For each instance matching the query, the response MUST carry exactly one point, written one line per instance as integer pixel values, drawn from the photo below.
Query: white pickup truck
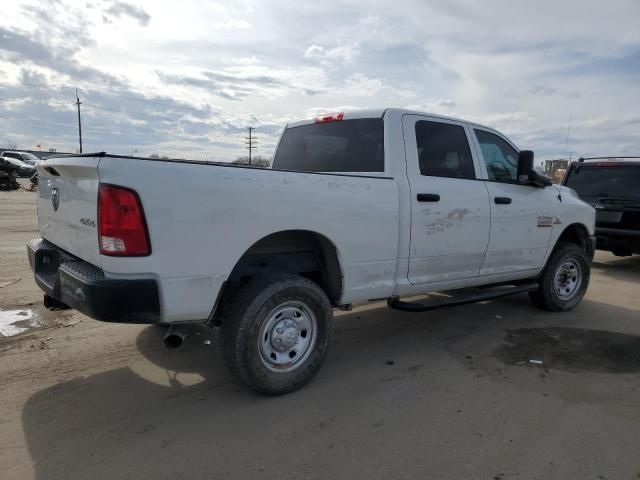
(360, 206)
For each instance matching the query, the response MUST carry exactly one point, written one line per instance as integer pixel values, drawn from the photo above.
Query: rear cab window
(443, 150)
(347, 146)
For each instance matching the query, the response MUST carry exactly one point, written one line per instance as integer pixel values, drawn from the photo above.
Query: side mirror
(526, 173)
(525, 166)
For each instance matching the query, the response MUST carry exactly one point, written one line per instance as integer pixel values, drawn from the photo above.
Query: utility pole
(250, 142)
(79, 122)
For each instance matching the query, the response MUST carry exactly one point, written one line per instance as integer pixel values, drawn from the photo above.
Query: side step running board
(471, 295)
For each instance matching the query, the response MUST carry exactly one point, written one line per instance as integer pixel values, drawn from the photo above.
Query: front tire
(275, 332)
(564, 280)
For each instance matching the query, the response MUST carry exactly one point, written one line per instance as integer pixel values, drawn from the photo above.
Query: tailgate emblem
(55, 199)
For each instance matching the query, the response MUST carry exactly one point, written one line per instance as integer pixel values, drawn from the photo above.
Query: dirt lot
(449, 394)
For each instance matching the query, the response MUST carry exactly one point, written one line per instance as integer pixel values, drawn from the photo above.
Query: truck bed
(203, 216)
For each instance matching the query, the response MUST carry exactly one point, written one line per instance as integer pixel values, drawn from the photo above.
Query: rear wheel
(275, 332)
(564, 280)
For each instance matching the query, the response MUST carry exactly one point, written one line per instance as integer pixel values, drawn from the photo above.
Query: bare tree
(256, 161)
(10, 145)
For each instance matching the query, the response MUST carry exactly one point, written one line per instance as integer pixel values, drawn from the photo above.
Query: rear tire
(275, 332)
(564, 280)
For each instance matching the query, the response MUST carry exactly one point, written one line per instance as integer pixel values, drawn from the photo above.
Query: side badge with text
(545, 221)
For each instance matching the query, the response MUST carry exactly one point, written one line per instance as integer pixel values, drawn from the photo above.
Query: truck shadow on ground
(179, 414)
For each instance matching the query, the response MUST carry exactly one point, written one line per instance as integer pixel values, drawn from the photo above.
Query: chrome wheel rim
(568, 279)
(287, 336)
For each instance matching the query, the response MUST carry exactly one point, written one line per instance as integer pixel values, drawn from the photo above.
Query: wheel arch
(302, 252)
(577, 233)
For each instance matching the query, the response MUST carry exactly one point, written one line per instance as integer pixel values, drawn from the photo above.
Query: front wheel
(275, 332)
(564, 280)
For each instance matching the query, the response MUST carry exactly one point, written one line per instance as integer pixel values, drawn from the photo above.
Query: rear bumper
(618, 239)
(85, 288)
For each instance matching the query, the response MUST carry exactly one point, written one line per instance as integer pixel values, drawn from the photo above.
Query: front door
(450, 214)
(522, 216)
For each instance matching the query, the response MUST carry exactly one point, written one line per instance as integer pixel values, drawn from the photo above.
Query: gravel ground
(450, 394)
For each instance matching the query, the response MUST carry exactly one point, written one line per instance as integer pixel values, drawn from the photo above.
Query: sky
(185, 79)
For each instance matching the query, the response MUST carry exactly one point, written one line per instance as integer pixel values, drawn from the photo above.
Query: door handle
(428, 197)
(502, 200)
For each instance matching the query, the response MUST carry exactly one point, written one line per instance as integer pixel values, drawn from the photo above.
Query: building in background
(556, 168)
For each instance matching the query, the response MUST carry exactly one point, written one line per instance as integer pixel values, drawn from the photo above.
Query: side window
(443, 150)
(500, 158)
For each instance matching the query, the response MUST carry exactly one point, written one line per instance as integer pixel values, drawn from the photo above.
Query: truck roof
(604, 161)
(381, 112)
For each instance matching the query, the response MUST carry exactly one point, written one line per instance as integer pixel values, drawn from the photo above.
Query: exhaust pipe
(174, 337)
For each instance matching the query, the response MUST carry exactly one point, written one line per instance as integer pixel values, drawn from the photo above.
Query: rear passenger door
(450, 215)
(521, 215)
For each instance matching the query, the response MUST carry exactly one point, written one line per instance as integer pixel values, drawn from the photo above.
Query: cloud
(316, 111)
(329, 56)
(237, 83)
(228, 86)
(359, 84)
(119, 9)
(542, 90)
(203, 71)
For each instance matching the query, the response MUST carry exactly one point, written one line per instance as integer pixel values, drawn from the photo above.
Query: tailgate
(68, 205)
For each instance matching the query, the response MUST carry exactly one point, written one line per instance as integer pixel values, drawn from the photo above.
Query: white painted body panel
(77, 185)
(518, 240)
(203, 217)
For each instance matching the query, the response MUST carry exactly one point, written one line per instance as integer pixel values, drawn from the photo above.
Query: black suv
(612, 186)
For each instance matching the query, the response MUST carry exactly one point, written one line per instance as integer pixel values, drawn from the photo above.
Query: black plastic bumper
(618, 239)
(82, 286)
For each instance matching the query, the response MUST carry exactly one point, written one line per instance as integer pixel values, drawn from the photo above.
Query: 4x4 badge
(55, 199)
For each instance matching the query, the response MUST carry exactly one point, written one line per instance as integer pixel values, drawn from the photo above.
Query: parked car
(23, 169)
(612, 186)
(358, 206)
(26, 157)
(8, 175)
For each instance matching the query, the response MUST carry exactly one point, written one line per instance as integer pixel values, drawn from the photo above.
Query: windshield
(30, 156)
(341, 146)
(605, 181)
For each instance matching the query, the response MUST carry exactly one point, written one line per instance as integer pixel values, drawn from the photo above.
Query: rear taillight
(334, 117)
(122, 230)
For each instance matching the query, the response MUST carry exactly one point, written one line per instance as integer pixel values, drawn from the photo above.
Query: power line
(11, 99)
(101, 107)
(39, 85)
(149, 101)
